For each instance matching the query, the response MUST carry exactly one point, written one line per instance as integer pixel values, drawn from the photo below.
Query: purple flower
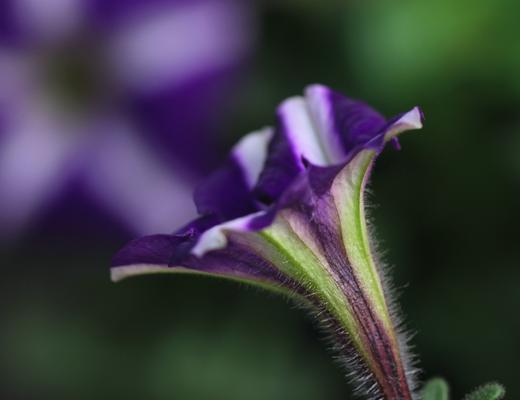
(287, 213)
(112, 102)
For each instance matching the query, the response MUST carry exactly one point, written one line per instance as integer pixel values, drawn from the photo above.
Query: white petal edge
(251, 152)
(125, 271)
(409, 121)
(215, 238)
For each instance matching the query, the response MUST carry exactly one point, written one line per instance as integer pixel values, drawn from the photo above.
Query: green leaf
(435, 389)
(489, 391)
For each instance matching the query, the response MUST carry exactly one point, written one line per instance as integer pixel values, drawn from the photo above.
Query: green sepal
(489, 391)
(435, 389)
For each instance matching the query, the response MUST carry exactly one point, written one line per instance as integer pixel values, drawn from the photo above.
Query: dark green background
(445, 210)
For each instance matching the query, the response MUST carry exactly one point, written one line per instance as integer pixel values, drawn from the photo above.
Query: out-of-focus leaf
(436, 389)
(489, 391)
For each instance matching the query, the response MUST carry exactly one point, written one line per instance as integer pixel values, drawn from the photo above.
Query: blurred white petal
(173, 45)
(130, 181)
(49, 19)
(16, 79)
(36, 158)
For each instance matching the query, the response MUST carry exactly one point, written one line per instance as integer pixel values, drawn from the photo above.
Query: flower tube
(286, 212)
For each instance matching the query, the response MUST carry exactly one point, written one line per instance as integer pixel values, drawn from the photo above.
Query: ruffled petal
(322, 129)
(294, 145)
(220, 252)
(343, 123)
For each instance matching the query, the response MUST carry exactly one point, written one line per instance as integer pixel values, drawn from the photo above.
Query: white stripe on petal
(251, 152)
(215, 238)
(320, 108)
(301, 133)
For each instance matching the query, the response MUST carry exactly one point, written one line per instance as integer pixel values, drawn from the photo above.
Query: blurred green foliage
(435, 389)
(445, 209)
(489, 391)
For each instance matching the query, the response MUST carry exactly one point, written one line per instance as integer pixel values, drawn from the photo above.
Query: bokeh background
(121, 110)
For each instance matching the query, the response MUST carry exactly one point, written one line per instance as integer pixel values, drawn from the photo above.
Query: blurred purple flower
(286, 212)
(112, 102)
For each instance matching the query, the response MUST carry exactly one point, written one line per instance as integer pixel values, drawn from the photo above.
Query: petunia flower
(103, 101)
(287, 213)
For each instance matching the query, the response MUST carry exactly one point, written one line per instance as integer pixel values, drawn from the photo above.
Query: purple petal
(295, 143)
(75, 213)
(164, 250)
(183, 118)
(156, 249)
(171, 91)
(105, 13)
(227, 192)
(200, 247)
(296, 168)
(174, 87)
(29, 22)
(316, 241)
(323, 129)
(320, 129)
(9, 30)
(167, 253)
(343, 121)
